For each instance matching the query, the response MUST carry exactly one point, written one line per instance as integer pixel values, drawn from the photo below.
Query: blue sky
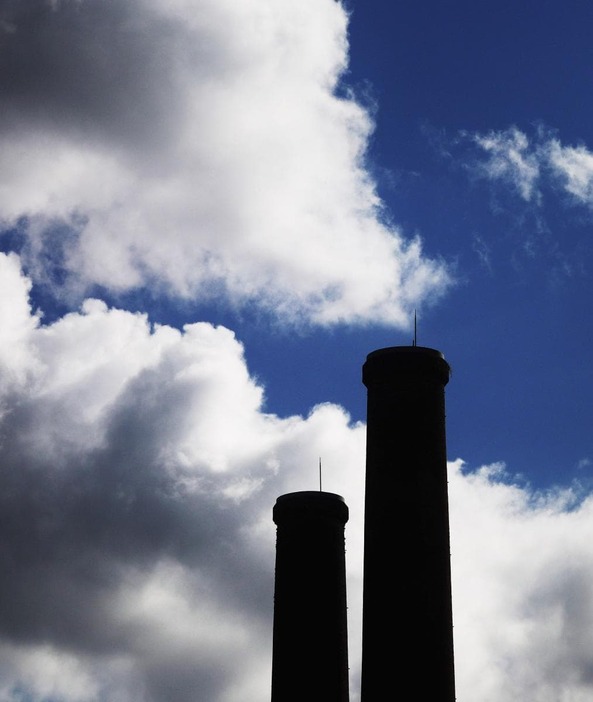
(210, 213)
(515, 322)
(517, 325)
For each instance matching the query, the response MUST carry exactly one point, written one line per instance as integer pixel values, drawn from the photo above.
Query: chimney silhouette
(407, 640)
(310, 644)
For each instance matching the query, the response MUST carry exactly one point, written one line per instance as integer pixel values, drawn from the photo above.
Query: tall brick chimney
(310, 642)
(407, 643)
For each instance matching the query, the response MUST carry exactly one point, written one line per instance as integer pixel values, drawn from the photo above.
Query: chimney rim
(308, 504)
(389, 365)
(397, 350)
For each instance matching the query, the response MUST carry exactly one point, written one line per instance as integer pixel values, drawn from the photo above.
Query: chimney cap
(391, 362)
(403, 350)
(310, 504)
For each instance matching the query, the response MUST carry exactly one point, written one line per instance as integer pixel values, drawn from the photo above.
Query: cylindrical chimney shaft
(310, 643)
(407, 645)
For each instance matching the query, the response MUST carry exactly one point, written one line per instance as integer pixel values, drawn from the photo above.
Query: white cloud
(200, 146)
(526, 164)
(574, 166)
(138, 475)
(138, 478)
(522, 568)
(509, 159)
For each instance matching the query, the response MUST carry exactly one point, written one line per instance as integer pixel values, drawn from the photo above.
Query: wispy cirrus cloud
(528, 163)
(509, 158)
(541, 195)
(573, 167)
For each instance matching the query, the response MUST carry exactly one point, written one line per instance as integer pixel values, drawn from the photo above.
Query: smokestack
(310, 644)
(407, 643)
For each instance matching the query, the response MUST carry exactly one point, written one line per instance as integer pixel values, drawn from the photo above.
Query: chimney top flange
(310, 504)
(390, 363)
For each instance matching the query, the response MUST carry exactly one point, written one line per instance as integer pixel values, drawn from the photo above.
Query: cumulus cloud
(138, 473)
(202, 148)
(207, 148)
(523, 605)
